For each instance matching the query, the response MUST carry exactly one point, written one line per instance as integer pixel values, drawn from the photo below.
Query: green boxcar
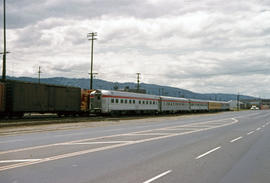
(24, 97)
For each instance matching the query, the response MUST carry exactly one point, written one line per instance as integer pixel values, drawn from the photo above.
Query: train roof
(173, 98)
(125, 94)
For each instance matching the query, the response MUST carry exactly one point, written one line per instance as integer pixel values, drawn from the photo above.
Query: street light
(91, 36)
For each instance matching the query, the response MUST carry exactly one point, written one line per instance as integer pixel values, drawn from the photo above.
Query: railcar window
(130, 101)
(146, 102)
(143, 102)
(122, 101)
(116, 101)
(112, 100)
(125, 101)
(151, 102)
(139, 102)
(133, 101)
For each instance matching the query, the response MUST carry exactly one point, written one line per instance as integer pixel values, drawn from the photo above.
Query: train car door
(95, 101)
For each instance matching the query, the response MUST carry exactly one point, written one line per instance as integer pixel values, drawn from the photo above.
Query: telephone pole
(39, 72)
(238, 102)
(138, 81)
(5, 49)
(93, 75)
(91, 36)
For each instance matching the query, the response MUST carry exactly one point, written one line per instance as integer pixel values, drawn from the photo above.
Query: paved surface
(227, 147)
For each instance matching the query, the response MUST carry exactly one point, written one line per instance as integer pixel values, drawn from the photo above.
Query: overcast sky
(200, 45)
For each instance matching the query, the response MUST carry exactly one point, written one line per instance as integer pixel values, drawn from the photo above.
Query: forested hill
(150, 88)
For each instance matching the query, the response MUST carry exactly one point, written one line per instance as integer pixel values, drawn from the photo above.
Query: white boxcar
(174, 104)
(198, 105)
(105, 101)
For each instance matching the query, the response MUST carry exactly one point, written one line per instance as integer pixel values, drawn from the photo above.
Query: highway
(210, 148)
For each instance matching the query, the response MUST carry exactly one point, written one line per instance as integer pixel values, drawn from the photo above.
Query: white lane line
(19, 160)
(238, 138)
(208, 152)
(63, 135)
(106, 142)
(9, 141)
(258, 129)
(158, 176)
(263, 126)
(250, 132)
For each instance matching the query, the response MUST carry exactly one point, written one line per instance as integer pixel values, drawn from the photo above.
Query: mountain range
(150, 88)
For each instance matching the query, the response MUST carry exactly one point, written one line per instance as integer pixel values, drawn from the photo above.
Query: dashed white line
(250, 132)
(258, 129)
(238, 138)
(208, 152)
(158, 176)
(72, 134)
(19, 160)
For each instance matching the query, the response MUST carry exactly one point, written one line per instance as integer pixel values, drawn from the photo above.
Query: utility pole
(5, 49)
(238, 102)
(93, 75)
(138, 81)
(39, 72)
(92, 36)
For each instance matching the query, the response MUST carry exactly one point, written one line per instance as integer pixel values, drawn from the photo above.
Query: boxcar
(26, 97)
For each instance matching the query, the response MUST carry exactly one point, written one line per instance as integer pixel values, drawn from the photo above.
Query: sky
(206, 46)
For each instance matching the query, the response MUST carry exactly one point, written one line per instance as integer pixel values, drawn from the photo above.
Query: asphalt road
(227, 147)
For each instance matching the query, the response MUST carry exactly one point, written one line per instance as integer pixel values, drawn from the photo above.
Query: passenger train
(109, 102)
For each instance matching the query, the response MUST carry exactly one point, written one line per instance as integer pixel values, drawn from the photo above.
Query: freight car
(19, 97)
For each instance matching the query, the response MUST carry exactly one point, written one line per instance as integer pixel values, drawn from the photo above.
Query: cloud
(205, 46)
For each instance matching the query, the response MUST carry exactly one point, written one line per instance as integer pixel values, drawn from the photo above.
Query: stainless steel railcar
(173, 104)
(105, 102)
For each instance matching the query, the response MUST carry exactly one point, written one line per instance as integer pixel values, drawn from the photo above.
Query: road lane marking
(68, 155)
(250, 132)
(119, 135)
(61, 156)
(238, 138)
(72, 134)
(158, 176)
(263, 126)
(208, 152)
(19, 160)
(258, 129)
(106, 142)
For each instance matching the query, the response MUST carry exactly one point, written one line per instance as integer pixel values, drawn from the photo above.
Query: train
(118, 102)
(18, 98)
